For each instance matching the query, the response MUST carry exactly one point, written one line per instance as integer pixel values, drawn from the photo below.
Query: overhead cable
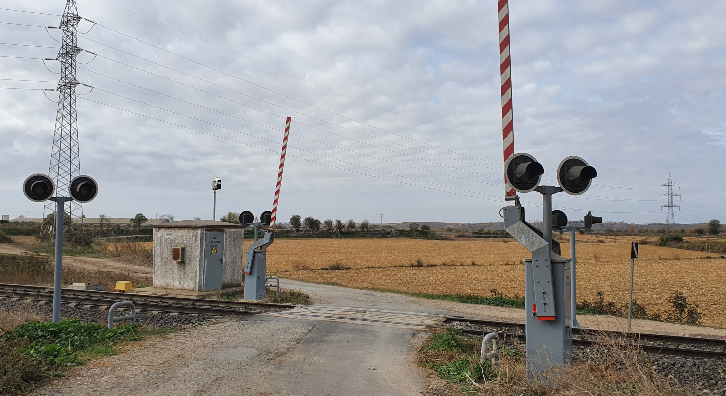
(287, 96)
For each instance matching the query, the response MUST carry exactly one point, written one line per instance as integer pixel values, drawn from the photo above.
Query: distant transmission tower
(670, 218)
(65, 162)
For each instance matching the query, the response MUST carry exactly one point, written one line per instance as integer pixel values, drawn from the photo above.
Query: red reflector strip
(545, 318)
(534, 307)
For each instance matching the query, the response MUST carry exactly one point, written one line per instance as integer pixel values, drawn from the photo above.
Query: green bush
(19, 372)
(37, 350)
(4, 238)
(70, 334)
(669, 240)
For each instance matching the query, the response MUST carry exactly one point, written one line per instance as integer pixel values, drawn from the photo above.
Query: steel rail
(138, 299)
(638, 338)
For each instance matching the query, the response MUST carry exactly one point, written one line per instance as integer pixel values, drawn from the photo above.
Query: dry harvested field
(478, 266)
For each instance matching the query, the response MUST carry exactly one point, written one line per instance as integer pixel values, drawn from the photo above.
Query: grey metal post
(214, 211)
(630, 303)
(58, 271)
(547, 216)
(573, 279)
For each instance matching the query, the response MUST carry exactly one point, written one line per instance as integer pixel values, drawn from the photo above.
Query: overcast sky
(395, 106)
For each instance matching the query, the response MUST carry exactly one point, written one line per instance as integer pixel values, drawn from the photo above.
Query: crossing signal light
(246, 218)
(83, 189)
(590, 220)
(38, 188)
(575, 175)
(266, 217)
(559, 219)
(523, 172)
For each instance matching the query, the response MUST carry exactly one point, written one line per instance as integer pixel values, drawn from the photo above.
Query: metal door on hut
(213, 260)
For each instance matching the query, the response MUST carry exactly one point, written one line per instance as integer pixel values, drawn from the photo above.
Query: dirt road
(260, 356)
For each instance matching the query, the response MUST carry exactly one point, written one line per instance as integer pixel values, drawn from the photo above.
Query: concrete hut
(198, 255)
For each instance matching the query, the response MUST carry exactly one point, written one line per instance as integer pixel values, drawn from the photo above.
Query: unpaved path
(258, 356)
(85, 263)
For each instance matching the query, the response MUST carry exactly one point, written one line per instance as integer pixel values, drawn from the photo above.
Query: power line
(29, 12)
(282, 94)
(297, 148)
(17, 80)
(307, 138)
(22, 24)
(302, 158)
(697, 197)
(28, 45)
(281, 107)
(303, 102)
(300, 78)
(312, 127)
(480, 196)
(319, 142)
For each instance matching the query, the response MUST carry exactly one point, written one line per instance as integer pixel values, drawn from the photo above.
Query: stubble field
(478, 266)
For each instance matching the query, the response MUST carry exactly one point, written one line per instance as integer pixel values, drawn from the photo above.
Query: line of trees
(313, 224)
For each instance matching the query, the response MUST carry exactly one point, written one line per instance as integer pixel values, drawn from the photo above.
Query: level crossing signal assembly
(549, 278)
(40, 188)
(256, 256)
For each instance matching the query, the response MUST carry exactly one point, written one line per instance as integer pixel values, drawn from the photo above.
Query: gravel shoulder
(231, 358)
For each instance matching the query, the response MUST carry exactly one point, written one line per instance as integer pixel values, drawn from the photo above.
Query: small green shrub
(4, 238)
(337, 266)
(669, 240)
(683, 311)
(448, 341)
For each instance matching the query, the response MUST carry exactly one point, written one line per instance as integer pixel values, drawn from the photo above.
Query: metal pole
(547, 217)
(573, 277)
(58, 274)
(214, 212)
(630, 304)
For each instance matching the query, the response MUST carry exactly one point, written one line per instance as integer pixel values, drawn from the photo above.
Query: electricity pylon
(65, 161)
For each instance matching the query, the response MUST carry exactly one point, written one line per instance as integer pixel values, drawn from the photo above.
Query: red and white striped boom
(279, 174)
(505, 72)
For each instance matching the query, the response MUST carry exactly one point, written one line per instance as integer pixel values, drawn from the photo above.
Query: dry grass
(139, 253)
(37, 269)
(477, 266)
(10, 319)
(620, 369)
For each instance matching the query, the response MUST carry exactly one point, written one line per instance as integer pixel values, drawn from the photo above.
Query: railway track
(712, 348)
(143, 301)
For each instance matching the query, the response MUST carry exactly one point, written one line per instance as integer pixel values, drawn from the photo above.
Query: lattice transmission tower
(65, 161)
(670, 218)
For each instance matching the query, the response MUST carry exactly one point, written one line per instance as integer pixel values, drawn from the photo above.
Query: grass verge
(286, 296)
(620, 370)
(34, 351)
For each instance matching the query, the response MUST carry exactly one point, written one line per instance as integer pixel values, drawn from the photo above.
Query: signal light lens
(38, 187)
(523, 172)
(246, 218)
(266, 217)
(559, 219)
(575, 175)
(83, 189)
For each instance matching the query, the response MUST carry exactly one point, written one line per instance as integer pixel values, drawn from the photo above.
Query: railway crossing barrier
(256, 256)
